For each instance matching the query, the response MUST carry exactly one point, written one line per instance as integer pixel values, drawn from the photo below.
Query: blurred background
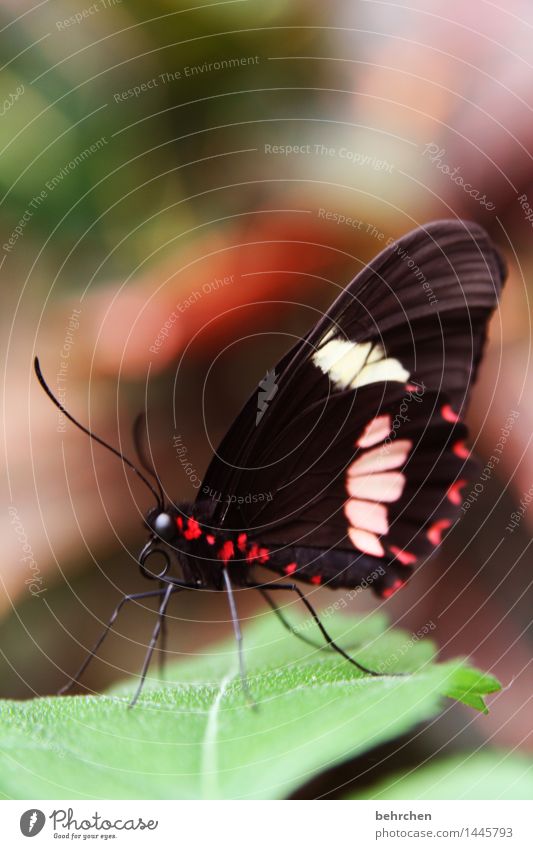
(166, 172)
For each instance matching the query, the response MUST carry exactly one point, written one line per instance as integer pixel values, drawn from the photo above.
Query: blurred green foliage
(137, 76)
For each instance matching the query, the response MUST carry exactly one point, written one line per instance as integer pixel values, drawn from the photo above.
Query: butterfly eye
(164, 527)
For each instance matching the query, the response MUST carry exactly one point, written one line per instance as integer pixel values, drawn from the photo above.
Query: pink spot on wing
(460, 450)
(366, 542)
(434, 533)
(398, 584)
(448, 414)
(376, 431)
(292, 567)
(387, 486)
(454, 492)
(367, 515)
(403, 557)
(382, 458)
(210, 539)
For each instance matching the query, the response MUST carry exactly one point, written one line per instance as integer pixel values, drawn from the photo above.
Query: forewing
(415, 316)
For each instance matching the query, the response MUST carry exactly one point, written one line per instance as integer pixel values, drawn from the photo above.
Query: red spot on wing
(210, 539)
(398, 584)
(179, 523)
(460, 450)
(241, 542)
(448, 414)
(292, 567)
(226, 551)
(434, 533)
(406, 558)
(263, 555)
(193, 529)
(316, 579)
(454, 492)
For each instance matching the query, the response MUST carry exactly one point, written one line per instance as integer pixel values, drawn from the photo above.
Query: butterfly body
(200, 552)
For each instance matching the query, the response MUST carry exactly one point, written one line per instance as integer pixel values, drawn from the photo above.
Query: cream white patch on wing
(353, 364)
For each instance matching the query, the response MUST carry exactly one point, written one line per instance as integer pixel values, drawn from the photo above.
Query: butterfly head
(163, 540)
(162, 524)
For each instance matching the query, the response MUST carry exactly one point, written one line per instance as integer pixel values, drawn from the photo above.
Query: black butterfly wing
(407, 332)
(437, 332)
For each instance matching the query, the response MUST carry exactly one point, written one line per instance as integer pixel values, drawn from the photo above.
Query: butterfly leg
(329, 640)
(292, 630)
(133, 597)
(163, 644)
(238, 636)
(155, 635)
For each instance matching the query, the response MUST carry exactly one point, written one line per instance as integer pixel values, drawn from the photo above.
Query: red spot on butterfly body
(316, 579)
(406, 558)
(252, 553)
(292, 567)
(434, 533)
(454, 492)
(448, 414)
(398, 584)
(257, 553)
(193, 530)
(460, 450)
(226, 551)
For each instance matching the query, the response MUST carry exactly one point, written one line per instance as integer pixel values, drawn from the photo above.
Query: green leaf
(471, 685)
(480, 775)
(196, 737)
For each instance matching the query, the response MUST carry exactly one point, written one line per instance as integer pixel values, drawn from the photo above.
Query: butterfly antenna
(145, 462)
(92, 435)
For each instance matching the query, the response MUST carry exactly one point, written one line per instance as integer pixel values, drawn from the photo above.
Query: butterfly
(347, 465)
